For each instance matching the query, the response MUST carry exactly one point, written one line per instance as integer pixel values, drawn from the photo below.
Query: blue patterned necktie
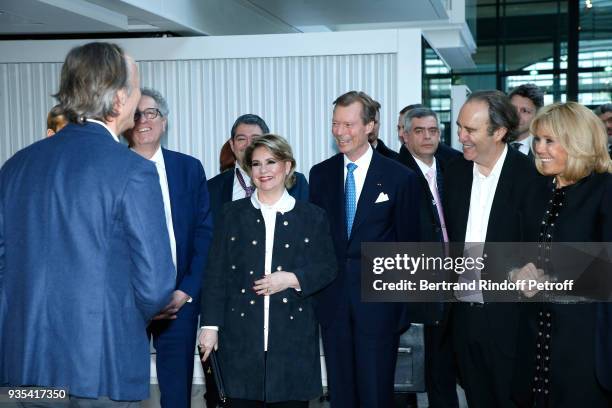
(350, 197)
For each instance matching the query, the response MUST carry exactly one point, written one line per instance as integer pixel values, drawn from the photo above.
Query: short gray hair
(162, 105)
(418, 113)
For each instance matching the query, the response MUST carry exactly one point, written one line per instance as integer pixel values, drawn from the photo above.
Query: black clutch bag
(215, 389)
(216, 371)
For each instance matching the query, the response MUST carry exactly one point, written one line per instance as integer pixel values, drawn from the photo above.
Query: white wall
(290, 80)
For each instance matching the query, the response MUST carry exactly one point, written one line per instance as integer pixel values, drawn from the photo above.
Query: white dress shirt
(525, 146)
(283, 205)
(481, 201)
(360, 173)
(237, 190)
(106, 127)
(160, 165)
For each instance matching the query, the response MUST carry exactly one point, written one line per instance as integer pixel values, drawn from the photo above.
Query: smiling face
(478, 145)
(423, 138)
(551, 157)
(268, 173)
(148, 132)
(349, 131)
(243, 138)
(526, 111)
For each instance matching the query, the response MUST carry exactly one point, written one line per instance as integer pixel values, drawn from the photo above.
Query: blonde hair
(580, 133)
(280, 149)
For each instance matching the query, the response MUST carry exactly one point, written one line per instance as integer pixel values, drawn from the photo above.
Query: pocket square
(382, 197)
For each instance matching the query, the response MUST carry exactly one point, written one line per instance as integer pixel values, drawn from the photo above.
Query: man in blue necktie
(368, 198)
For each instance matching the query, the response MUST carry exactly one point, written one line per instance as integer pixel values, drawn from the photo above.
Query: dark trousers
(485, 371)
(242, 403)
(440, 367)
(174, 342)
(360, 365)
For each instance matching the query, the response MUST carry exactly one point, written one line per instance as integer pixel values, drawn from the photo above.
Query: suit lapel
(337, 192)
(503, 196)
(439, 179)
(172, 175)
(372, 186)
(461, 207)
(228, 186)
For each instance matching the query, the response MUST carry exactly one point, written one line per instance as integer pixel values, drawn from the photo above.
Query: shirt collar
(283, 205)
(245, 175)
(362, 162)
(423, 166)
(526, 141)
(106, 127)
(496, 171)
(158, 158)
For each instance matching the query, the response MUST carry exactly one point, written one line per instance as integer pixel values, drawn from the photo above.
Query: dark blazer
(84, 264)
(222, 185)
(382, 148)
(585, 216)
(302, 245)
(191, 219)
(431, 230)
(506, 223)
(395, 220)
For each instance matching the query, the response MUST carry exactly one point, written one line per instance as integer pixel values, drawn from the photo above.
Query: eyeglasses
(150, 113)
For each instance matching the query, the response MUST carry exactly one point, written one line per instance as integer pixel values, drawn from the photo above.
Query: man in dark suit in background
(527, 99)
(485, 193)
(189, 224)
(421, 134)
(85, 259)
(368, 198)
(234, 184)
(376, 143)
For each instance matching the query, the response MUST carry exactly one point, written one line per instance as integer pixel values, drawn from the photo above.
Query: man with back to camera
(189, 222)
(527, 99)
(368, 198)
(485, 194)
(421, 134)
(85, 259)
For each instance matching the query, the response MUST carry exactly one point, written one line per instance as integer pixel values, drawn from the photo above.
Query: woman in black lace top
(564, 349)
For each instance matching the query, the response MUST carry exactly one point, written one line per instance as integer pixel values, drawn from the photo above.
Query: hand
(276, 282)
(179, 298)
(207, 341)
(528, 273)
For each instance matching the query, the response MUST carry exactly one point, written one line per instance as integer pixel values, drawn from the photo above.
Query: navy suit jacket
(191, 219)
(395, 220)
(84, 264)
(222, 185)
(431, 230)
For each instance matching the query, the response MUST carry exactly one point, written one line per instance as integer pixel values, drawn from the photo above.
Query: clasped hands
(529, 273)
(276, 282)
(178, 299)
